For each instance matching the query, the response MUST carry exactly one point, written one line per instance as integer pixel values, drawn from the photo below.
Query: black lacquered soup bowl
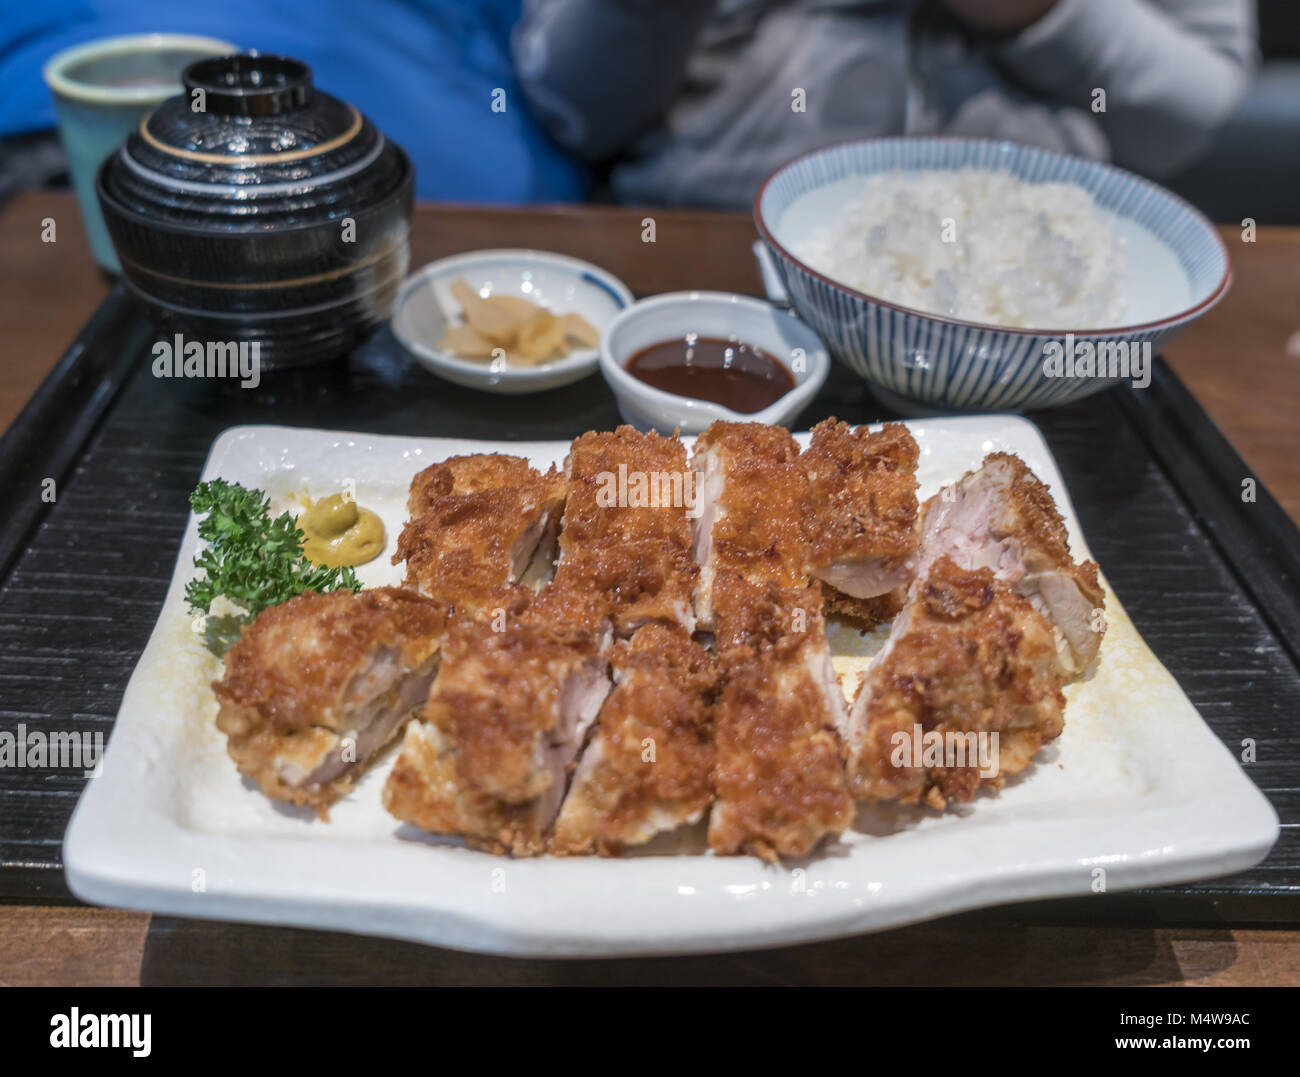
(254, 208)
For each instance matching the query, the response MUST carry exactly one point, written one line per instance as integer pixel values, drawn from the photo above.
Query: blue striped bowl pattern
(945, 363)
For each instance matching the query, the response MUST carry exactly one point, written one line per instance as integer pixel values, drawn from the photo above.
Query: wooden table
(1242, 361)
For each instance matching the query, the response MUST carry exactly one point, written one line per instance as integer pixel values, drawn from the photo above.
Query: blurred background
(426, 72)
(1252, 168)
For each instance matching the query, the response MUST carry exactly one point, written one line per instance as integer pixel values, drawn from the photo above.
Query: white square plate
(1136, 792)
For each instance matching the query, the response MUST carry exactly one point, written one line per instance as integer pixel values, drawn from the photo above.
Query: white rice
(979, 245)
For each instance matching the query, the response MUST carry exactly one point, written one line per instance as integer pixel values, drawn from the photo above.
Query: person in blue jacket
(423, 70)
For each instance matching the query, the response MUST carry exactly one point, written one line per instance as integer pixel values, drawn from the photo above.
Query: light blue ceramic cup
(101, 90)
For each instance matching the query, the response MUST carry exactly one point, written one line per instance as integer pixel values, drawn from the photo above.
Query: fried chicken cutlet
(777, 774)
(479, 526)
(998, 617)
(754, 510)
(1001, 516)
(514, 702)
(317, 685)
(503, 725)
(626, 532)
(967, 658)
(778, 777)
(862, 487)
(648, 768)
(467, 475)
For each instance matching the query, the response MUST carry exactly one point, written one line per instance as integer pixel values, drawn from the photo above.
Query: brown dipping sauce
(727, 372)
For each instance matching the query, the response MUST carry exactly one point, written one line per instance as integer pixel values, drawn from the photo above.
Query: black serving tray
(1210, 581)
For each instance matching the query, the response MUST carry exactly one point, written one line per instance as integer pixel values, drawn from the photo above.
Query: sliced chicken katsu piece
(968, 658)
(316, 686)
(569, 609)
(625, 560)
(627, 486)
(468, 475)
(626, 532)
(648, 768)
(863, 491)
(778, 776)
(640, 582)
(481, 526)
(754, 511)
(758, 616)
(505, 721)
(1002, 517)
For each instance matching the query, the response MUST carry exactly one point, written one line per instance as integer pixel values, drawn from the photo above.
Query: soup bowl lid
(251, 143)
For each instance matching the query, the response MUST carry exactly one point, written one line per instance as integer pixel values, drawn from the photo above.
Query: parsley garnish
(251, 559)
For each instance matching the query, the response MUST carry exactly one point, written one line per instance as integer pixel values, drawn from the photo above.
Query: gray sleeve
(1172, 70)
(598, 72)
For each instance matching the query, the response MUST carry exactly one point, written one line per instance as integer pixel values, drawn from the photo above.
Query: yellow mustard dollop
(339, 532)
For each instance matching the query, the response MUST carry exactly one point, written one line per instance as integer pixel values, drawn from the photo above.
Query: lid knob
(250, 84)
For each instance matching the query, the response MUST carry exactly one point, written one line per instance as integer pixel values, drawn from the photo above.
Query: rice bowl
(979, 245)
(1166, 267)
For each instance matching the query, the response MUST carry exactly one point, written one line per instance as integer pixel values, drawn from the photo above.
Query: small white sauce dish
(709, 314)
(426, 309)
